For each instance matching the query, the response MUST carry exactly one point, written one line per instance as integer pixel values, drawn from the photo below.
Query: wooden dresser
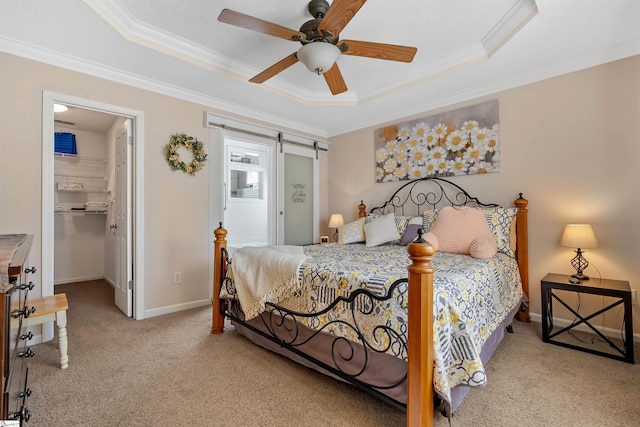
(14, 337)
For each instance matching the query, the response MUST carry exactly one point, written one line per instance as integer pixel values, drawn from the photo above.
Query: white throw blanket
(265, 274)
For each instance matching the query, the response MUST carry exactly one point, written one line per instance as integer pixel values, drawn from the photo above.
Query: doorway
(248, 196)
(132, 122)
(270, 194)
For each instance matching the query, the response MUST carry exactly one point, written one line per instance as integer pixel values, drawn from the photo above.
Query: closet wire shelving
(80, 175)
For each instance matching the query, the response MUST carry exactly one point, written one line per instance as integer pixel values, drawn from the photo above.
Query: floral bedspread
(471, 298)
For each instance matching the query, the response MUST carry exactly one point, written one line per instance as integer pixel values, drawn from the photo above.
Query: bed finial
(362, 209)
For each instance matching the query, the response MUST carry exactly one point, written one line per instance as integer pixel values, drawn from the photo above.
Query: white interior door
(298, 196)
(123, 216)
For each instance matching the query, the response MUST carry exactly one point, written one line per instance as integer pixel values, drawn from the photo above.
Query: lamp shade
(318, 57)
(579, 236)
(336, 221)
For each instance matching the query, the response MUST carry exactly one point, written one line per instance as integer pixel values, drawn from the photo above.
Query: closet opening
(91, 199)
(91, 195)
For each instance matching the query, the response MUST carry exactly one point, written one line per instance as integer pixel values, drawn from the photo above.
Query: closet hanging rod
(273, 138)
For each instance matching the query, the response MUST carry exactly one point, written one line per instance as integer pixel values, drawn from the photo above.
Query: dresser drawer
(17, 400)
(14, 339)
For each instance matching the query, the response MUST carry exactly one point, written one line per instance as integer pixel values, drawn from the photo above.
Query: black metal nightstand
(611, 288)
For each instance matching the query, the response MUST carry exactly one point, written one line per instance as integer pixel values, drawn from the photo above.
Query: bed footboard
(420, 395)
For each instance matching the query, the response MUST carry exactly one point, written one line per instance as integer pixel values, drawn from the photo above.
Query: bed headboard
(416, 196)
(427, 193)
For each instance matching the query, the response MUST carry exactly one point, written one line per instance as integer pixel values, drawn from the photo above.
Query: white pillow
(381, 230)
(352, 232)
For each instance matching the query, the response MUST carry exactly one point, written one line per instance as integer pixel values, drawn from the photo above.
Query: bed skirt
(380, 374)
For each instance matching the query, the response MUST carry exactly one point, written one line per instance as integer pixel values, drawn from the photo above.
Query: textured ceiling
(466, 49)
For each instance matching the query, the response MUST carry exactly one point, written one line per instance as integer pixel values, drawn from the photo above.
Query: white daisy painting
(460, 142)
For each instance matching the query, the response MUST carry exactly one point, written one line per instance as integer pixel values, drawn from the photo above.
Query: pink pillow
(483, 247)
(456, 228)
(431, 238)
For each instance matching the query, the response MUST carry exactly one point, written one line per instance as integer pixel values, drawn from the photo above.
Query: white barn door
(298, 196)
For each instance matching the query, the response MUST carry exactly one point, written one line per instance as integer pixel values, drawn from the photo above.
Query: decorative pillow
(416, 220)
(371, 217)
(428, 218)
(457, 227)
(352, 232)
(410, 234)
(431, 238)
(483, 247)
(381, 230)
(401, 223)
(500, 220)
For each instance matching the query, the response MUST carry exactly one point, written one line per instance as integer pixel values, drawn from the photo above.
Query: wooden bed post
(420, 331)
(362, 209)
(217, 324)
(522, 252)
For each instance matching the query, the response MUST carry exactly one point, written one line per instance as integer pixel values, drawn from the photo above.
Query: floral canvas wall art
(461, 142)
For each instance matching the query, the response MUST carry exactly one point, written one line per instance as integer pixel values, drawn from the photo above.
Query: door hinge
(130, 140)
(130, 284)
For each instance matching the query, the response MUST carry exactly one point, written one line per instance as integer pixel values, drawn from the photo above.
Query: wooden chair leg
(61, 321)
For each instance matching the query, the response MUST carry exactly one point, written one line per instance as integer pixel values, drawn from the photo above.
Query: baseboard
(608, 332)
(76, 279)
(109, 281)
(175, 308)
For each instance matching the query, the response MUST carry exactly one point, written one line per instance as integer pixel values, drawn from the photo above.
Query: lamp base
(580, 276)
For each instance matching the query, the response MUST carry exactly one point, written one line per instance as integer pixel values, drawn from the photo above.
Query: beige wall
(176, 205)
(571, 144)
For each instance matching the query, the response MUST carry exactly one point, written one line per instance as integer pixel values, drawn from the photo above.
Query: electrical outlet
(177, 277)
(634, 297)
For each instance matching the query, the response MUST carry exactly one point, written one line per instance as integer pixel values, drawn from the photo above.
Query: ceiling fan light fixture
(318, 57)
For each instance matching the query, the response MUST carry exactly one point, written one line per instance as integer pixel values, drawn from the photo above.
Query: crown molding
(622, 51)
(516, 18)
(141, 33)
(57, 59)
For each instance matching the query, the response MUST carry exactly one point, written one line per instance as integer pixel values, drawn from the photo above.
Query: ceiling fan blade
(339, 14)
(389, 52)
(334, 79)
(250, 23)
(275, 69)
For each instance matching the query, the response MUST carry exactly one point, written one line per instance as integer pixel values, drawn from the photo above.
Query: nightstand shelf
(618, 289)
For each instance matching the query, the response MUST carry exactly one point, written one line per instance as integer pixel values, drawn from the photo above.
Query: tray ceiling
(466, 49)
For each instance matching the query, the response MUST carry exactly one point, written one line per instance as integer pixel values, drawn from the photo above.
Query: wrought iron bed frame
(280, 325)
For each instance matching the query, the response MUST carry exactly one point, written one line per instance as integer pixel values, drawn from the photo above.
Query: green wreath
(190, 143)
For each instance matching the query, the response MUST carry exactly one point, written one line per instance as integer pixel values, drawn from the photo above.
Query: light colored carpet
(170, 370)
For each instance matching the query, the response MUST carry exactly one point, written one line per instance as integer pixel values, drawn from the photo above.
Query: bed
(352, 306)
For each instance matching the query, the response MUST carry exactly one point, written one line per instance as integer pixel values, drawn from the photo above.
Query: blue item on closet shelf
(65, 143)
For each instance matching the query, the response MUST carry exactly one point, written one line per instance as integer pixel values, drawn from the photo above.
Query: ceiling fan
(319, 37)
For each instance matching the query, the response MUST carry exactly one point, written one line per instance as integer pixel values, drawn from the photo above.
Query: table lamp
(580, 236)
(336, 221)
